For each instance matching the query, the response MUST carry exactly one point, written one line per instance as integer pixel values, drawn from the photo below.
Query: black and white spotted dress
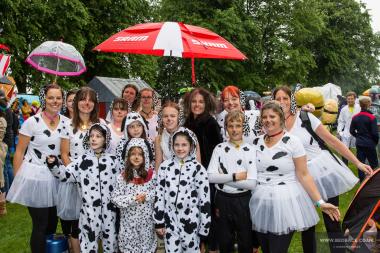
(34, 185)
(137, 233)
(332, 178)
(279, 204)
(69, 200)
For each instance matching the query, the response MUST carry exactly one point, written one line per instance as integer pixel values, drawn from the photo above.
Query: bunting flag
(4, 63)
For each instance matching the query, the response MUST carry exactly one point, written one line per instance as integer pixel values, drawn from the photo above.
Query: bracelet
(234, 177)
(319, 203)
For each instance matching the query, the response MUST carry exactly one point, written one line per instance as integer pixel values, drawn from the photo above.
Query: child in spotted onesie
(134, 127)
(134, 195)
(232, 169)
(95, 173)
(182, 204)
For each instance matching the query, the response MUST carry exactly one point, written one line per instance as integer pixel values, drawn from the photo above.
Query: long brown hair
(68, 94)
(82, 94)
(210, 103)
(128, 171)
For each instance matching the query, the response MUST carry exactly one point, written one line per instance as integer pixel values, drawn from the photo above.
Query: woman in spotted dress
(233, 99)
(134, 194)
(330, 174)
(85, 113)
(283, 199)
(34, 186)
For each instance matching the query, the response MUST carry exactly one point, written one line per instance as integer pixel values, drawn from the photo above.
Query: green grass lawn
(15, 228)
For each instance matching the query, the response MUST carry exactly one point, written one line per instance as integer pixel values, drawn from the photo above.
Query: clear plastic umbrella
(57, 58)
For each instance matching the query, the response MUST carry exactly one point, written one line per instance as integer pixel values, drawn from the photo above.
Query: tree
(347, 50)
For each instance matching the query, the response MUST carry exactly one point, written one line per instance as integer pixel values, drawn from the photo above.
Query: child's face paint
(235, 130)
(96, 141)
(181, 147)
(136, 157)
(135, 129)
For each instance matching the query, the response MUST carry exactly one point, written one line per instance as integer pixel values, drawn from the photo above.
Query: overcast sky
(374, 11)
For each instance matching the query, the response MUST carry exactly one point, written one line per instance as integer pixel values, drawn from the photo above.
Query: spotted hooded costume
(137, 233)
(131, 117)
(95, 177)
(182, 204)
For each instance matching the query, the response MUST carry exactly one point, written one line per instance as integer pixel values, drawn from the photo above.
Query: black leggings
(44, 221)
(70, 228)
(271, 243)
(334, 233)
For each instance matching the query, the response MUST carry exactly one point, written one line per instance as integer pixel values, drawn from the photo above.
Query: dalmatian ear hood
(132, 117)
(144, 145)
(192, 136)
(105, 131)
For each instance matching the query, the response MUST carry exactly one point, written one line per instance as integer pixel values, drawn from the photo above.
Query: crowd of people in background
(181, 171)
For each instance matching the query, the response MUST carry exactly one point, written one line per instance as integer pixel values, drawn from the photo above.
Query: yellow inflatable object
(330, 112)
(310, 95)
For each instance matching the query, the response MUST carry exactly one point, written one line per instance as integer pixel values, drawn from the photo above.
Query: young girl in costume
(134, 195)
(182, 205)
(95, 173)
(134, 127)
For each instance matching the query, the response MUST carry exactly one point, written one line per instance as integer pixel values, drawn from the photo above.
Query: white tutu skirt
(331, 178)
(69, 201)
(34, 186)
(281, 209)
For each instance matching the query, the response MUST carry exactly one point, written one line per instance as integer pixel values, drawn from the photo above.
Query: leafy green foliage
(286, 41)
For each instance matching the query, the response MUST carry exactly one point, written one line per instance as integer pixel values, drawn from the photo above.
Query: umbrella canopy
(4, 47)
(364, 206)
(57, 58)
(171, 39)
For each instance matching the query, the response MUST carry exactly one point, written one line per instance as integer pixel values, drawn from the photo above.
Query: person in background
(129, 94)
(147, 110)
(26, 109)
(9, 138)
(35, 107)
(344, 121)
(364, 129)
(3, 149)
(119, 110)
(69, 112)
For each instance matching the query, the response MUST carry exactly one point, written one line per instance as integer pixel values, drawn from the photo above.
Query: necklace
(51, 118)
(288, 117)
(84, 126)
(146, 113)
(236, 144)
(267, 137)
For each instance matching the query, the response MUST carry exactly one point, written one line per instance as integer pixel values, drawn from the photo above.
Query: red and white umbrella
(171, 39)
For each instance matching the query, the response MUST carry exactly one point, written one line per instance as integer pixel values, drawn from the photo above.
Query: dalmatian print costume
(95, 177)
(34, 186)
(137, 233)
(131, 117)
(182, 204)
(251, 127)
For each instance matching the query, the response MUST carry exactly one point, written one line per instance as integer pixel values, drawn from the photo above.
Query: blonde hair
(234, 116)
